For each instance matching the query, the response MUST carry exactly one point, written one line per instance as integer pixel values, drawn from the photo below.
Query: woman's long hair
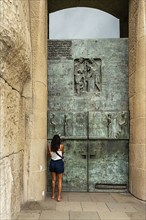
(55, 143)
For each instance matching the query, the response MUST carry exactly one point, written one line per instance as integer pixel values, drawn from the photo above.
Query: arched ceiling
(117, 8)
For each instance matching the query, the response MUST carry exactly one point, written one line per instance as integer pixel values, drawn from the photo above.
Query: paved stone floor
(86, 206)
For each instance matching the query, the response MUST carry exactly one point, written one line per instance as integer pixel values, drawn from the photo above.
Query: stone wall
(15, 74)
(23, 90)
(137, 97)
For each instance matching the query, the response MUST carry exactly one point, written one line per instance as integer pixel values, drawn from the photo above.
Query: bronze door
(88, 108)
(107, 165)
(75, 161)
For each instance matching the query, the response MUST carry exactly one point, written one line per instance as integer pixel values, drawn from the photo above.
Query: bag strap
(59, 155)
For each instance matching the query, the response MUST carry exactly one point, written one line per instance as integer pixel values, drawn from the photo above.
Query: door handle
(84, 156)
(92, 156)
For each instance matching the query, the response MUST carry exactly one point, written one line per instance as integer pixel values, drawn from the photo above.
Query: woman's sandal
(52, 197)
(59, 199)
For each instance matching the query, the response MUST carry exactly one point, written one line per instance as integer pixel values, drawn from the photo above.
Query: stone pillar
(37, 161)
(137, 98)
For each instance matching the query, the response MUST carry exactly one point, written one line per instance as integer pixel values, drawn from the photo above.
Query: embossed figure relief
(122, 123)
(68, 126)
(109, 122)
(60, 124)
(109, 125)
(117, 125)
(87, 75)
(53, 125)
(80, 121)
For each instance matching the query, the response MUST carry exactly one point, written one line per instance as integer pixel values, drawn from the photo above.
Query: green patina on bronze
(88, 107)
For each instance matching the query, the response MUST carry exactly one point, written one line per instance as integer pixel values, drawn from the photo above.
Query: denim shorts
(56, 166)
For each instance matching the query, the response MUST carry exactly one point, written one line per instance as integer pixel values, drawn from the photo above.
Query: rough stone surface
(15, 43)
(12, 120)
(11, 184)
(15, 73)
(12, 145)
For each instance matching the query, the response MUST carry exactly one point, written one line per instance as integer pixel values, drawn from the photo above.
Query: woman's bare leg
(59, 186)
(53, 184)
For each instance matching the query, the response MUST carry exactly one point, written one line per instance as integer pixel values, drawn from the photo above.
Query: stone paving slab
(84, 216)
(137, 215)
(121, 207)
(102, 197)
(68, 206)
(141, 207)
(94, 206)
(79, 197)
(89, 206)
(54, 215)
(113, 216)
(28, 216)
(124, 197)
(48, 204)
(102, 207)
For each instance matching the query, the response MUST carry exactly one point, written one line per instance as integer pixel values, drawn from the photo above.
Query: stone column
(137, 98)
(37, 161)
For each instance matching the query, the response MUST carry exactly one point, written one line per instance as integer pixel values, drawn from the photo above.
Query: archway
(82, 23)
(116, 8)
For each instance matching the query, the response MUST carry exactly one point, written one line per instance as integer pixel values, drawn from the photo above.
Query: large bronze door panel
(75, 161)
(107, 165)
(88, 108)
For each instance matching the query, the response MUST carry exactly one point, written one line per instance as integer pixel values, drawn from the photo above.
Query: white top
(54, 156)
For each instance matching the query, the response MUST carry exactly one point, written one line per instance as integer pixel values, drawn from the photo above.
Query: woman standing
(56, 167)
